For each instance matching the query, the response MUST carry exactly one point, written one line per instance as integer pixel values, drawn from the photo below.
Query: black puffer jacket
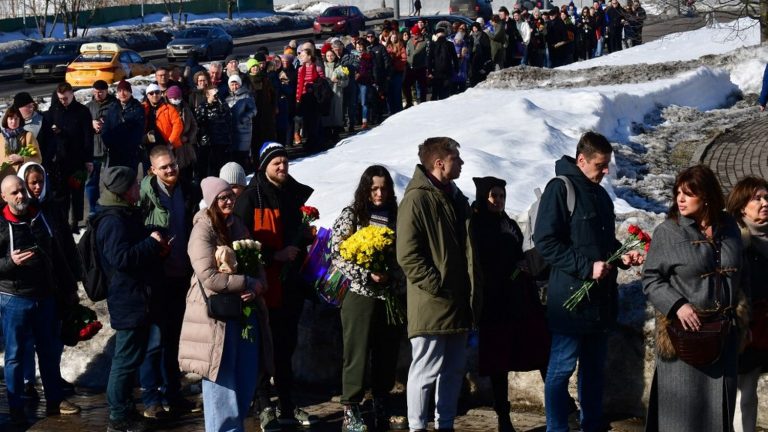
(123, 133)
(214, 122)
(443, 62)
(36, 277)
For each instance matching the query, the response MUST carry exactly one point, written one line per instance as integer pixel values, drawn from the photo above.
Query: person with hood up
(243, 109)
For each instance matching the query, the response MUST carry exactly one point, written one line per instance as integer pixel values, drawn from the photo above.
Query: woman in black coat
(513, 334)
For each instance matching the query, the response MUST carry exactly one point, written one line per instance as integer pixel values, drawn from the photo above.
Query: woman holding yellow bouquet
(365, 327)
(18, 146)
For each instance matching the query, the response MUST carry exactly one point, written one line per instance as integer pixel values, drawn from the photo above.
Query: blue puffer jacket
(571, 245)
(130, 258)
(243, 109)
(764, 92)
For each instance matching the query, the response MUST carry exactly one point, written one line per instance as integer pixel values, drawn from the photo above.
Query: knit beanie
(212, 187)
(233, 174)
(251, 63)
(22, 99)
(235, 78)
(270, 150)
(173, 92)
(118, 179)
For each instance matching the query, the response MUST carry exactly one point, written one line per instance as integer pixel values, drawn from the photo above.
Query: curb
(702, 150)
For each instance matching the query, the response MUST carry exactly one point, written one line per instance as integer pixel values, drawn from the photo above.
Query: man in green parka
(434, 249)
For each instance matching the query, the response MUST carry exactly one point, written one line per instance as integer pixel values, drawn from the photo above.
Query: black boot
(502, 411)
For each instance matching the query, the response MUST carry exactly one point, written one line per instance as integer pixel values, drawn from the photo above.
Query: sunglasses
(154, 93)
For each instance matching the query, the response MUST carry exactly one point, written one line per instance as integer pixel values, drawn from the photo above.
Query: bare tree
(714, 10)
(169, 8)
(230, 8)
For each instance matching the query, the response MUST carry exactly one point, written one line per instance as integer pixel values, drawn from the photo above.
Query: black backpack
(95, 280)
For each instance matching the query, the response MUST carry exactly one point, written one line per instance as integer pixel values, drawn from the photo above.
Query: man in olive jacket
(434, 249)
(576, 246)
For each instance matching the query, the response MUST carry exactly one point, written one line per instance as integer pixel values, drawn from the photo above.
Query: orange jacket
(167, 122)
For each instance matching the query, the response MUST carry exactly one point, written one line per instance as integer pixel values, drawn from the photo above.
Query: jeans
(438, 360)
(363, 93)
(590, 351)
(599, 47)
(226, 400)
(24, 319)
(130, 346)
(159, 375)
(92, 187)
(29, 358)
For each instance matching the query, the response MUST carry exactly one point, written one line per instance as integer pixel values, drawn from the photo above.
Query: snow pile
(518, 134)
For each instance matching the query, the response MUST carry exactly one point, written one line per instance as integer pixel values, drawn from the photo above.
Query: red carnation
(634, 230)
(647, 246)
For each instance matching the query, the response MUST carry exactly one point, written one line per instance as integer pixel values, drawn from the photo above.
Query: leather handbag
(703, 347)
(224, 306)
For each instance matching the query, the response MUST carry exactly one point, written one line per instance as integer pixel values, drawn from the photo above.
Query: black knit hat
(483, 186)
(270, 150)
(22, 99)
(118, 179)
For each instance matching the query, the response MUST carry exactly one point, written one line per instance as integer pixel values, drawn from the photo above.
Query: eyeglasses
(169, 167)
(153, 93)
(225, 198)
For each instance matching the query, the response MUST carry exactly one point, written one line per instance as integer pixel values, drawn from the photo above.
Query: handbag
(224, 306)
(318, 270)
(703, 347)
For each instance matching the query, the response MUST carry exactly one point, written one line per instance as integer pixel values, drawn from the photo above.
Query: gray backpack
(534, 210)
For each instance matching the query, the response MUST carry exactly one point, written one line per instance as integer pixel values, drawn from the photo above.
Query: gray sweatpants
(439, 361)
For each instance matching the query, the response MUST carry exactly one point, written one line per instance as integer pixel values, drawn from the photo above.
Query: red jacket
(306, 76)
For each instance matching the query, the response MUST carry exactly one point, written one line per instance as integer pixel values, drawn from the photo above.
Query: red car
(339, 20)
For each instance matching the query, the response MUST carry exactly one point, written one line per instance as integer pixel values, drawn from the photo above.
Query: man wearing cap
(122, 130)
(266, 101)
(168, 204)
(382, 69)
(271, 209)
(98, 107)
(418, 61)
(33, 119)
(164, 124)
(129, 254)
(66, 144)
(443, 65)
(28, 289)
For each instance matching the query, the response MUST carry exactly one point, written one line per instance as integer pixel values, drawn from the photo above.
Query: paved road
(740, 152)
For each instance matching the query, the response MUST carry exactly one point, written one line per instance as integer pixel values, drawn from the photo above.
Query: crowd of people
(165, 182)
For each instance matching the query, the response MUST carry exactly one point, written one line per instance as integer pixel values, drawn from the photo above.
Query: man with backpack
(443, 65)
(575, 243)
(128, 254)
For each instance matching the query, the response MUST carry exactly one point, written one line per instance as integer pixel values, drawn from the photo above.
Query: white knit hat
(233, 174)
(235, 78)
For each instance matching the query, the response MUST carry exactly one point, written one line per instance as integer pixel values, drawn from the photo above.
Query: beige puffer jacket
(202, 338)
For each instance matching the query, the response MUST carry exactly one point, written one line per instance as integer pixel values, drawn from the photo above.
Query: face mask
(174, 101)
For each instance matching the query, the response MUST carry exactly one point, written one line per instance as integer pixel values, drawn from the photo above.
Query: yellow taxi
(105, 61)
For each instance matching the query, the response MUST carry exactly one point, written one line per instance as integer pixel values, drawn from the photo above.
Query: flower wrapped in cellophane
(249, 262)
(637, 239)
(373, 248)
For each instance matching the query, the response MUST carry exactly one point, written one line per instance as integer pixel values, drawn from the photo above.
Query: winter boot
(502, 411)
(353, 420)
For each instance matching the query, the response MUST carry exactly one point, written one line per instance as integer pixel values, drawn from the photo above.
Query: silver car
(206, 42)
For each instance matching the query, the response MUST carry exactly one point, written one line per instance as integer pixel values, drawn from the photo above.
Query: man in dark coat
(98, 106)
(123, 129)
(575, 246)
(443, 65)
(128, 254)
(28, 288)
(66, 144)
(480, 61)
(511, 57)
(271, 209)
(615, 15)
(557, 38)
(382, 69)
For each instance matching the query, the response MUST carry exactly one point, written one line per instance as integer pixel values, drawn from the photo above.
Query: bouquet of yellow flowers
(249, 262)
(373, 248)
(26, 151)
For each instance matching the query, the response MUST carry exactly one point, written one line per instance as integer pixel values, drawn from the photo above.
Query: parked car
(471, 8)
(108, 62)
(339, 20)
(51, 62)
(207, 42)
(432, 21)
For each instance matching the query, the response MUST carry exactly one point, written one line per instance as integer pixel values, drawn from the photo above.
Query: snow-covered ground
(518, 134)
